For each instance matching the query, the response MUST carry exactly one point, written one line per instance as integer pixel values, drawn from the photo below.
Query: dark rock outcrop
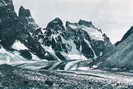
(15, 27)
(8, 23)
(121, 57)
(26, 18)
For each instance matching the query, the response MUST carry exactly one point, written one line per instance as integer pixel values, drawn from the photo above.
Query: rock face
(57, 42)
(8, 23)
(26, 18)
(15, 28)
(80, 39)
(122, 56)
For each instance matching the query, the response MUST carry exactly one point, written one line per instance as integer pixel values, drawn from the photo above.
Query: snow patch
(19, 46)
(76, 57)
(51, 51)
(10, 57)
(93, 33)
(34, 57)
(73, 26)
(73, 65)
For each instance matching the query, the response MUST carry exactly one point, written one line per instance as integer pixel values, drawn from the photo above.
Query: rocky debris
(43, 79)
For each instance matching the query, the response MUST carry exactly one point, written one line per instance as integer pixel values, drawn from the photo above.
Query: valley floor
(17, 78)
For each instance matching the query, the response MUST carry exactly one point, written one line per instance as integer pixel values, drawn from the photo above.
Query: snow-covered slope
(7, 57)
(19, 46)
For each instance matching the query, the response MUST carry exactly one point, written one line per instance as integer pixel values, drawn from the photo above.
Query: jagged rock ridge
(56, 42)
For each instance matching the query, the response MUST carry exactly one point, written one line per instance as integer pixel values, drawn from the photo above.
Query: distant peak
(57, 18)
(81, 22)
(84, 22)
(21, 7)
(56, 21)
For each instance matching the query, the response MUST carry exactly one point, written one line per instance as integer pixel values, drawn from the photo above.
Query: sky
(114, 17)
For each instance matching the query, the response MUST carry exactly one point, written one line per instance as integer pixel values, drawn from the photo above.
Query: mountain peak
(24, 12)
(56, 24)
(56, 21)
(126, 35)
(84, 22)
(27, 19)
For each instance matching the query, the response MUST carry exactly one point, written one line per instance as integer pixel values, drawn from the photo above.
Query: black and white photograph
(66, 44)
